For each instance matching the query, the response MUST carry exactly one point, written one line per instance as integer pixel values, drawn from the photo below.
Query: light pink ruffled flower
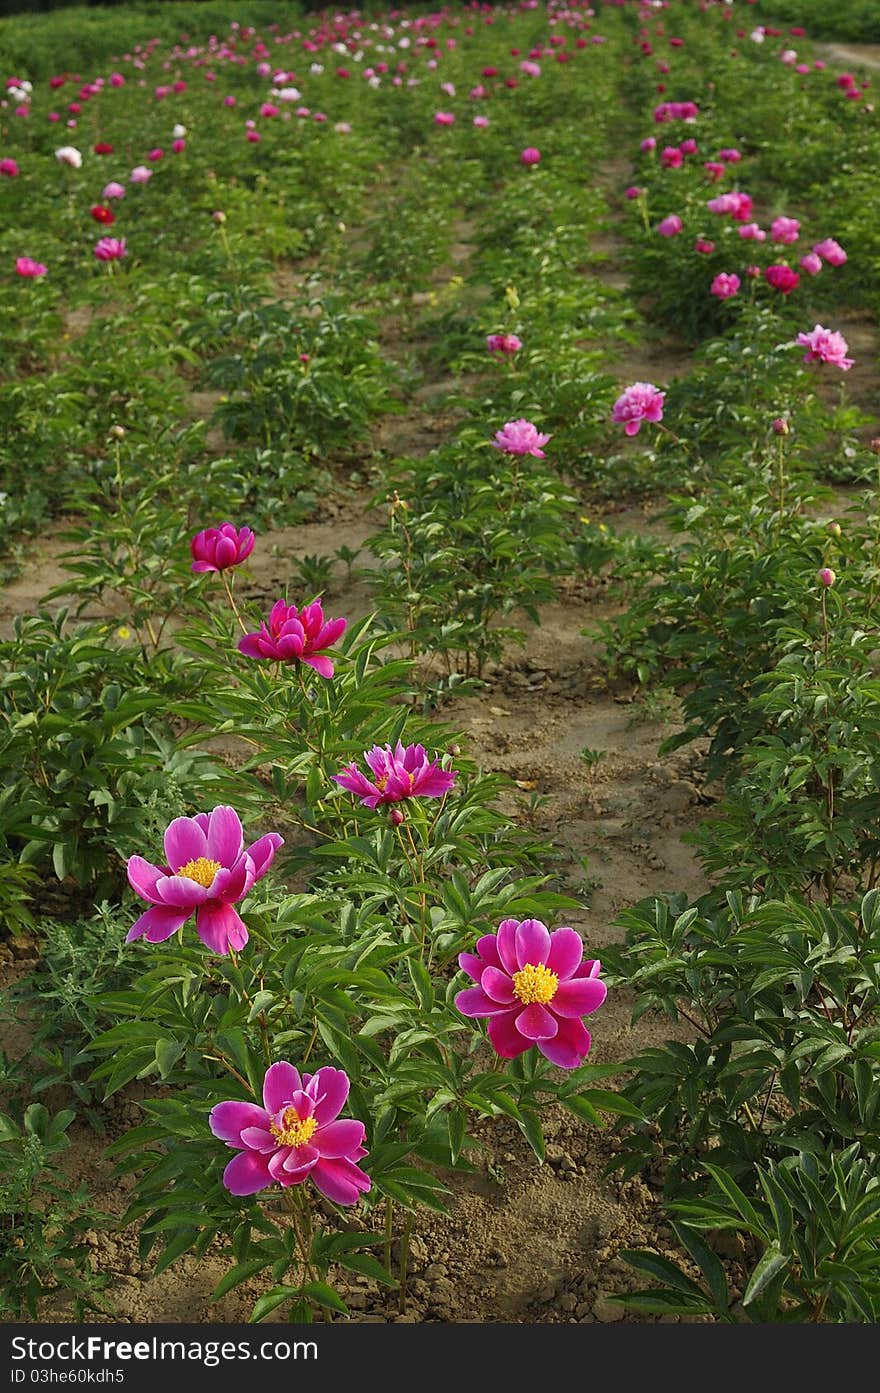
(785, 229)
(640, 402)
(113, 190)
(140, 174)
(219, 548)
(830, 251)
(404, 772)
(724, 285)
(535, 987)
(825, 346)
(296, 1135)
(811, 263)
(520, 438)
(295, 636)
(208, 871)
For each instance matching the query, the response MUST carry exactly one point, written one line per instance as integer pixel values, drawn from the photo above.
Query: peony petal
(472, 965)
(506, 945)
(228, 1120)
(329, 1087)
(340, 1138)
(158, 924)
(487, 947)
(181, 892)
(184, 841)
(142, 877)
(262, 853)
(505, 1038)
(535, 1022)
(498, 986)
(569, 1047)
(246, 1173)
(230, 886)
(220, 927)
(532, 943)
(340, 1181)
(225, 839)
(473, 1001)
(258, 1139)
(566, 953)
(323, 666)
(579, 996)
(279, 1085)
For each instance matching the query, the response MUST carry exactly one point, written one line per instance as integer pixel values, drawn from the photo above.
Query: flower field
(439, 662)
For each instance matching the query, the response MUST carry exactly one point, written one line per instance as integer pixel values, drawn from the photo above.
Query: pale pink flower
(811, 263)
(69, 155)
(825, 346)
(520, 438)
(751, 232)
(140, 174)
(113, 190)
(830, 251)
(785, 229)
(640, 402)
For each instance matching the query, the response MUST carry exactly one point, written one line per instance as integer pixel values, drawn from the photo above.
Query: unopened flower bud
(118, 432)
(454, 748)
(826, 576)
(219, 216)
(875, 444)
(781, 426)
(833, 529)
(395, 817)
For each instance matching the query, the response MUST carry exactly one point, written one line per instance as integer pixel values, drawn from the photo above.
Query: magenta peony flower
(530, 155)
(830, 251)
(110, 248)
(503, 344)
(825, 346)
(782, 278)
(535, 987)
(751, 232)
(730, 156)
(293, 636)
(811, 263)
(714, 170)
(671, 226)
(294, 1136)
(703, 245)
(9, 167)
(219, 548)
(648, 144)
(520, 438)
(640, 402)
(404, 772)
(30, 269)
(688, 147)
(208, 872)
(444, 118)
(671, 157)
(633, 191)
(724, 286)
(785, 229)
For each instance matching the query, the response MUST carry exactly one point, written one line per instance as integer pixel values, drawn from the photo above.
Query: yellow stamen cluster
(535, 982)
(201, 870)
(294, 1130)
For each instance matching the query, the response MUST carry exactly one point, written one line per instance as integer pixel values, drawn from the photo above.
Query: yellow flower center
(535, 983)
(294, 1130)
(201, 870)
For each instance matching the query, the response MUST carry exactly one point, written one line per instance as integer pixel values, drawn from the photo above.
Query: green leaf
(324, 1295)
(662, 1269)
(772, 1262)
(238, 1274)
(270, 1301)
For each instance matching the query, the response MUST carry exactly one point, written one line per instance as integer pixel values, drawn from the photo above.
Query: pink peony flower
(830, 251)
(671, 226)
(520, 438)
(69, 155)
(208, 871)
(785, 229)
(535, 988)
(649, 143)
(113, 190)
(296, 1135)
(811, 263)
(156, 155)
(9, 167)
(703, 245)
(481, 122)
(730, 156)
(825, 346)
(404, 772)
(110, 248)
(294, 636)
(724, 286)
(782, 278)
(714, 170)
(671, 157)
(444, 118)
(140, 174)
(826, 577)
(640, 402)
(219, 548)
(30, 269)
(737, 204)
(503, 344)
(530, 155)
